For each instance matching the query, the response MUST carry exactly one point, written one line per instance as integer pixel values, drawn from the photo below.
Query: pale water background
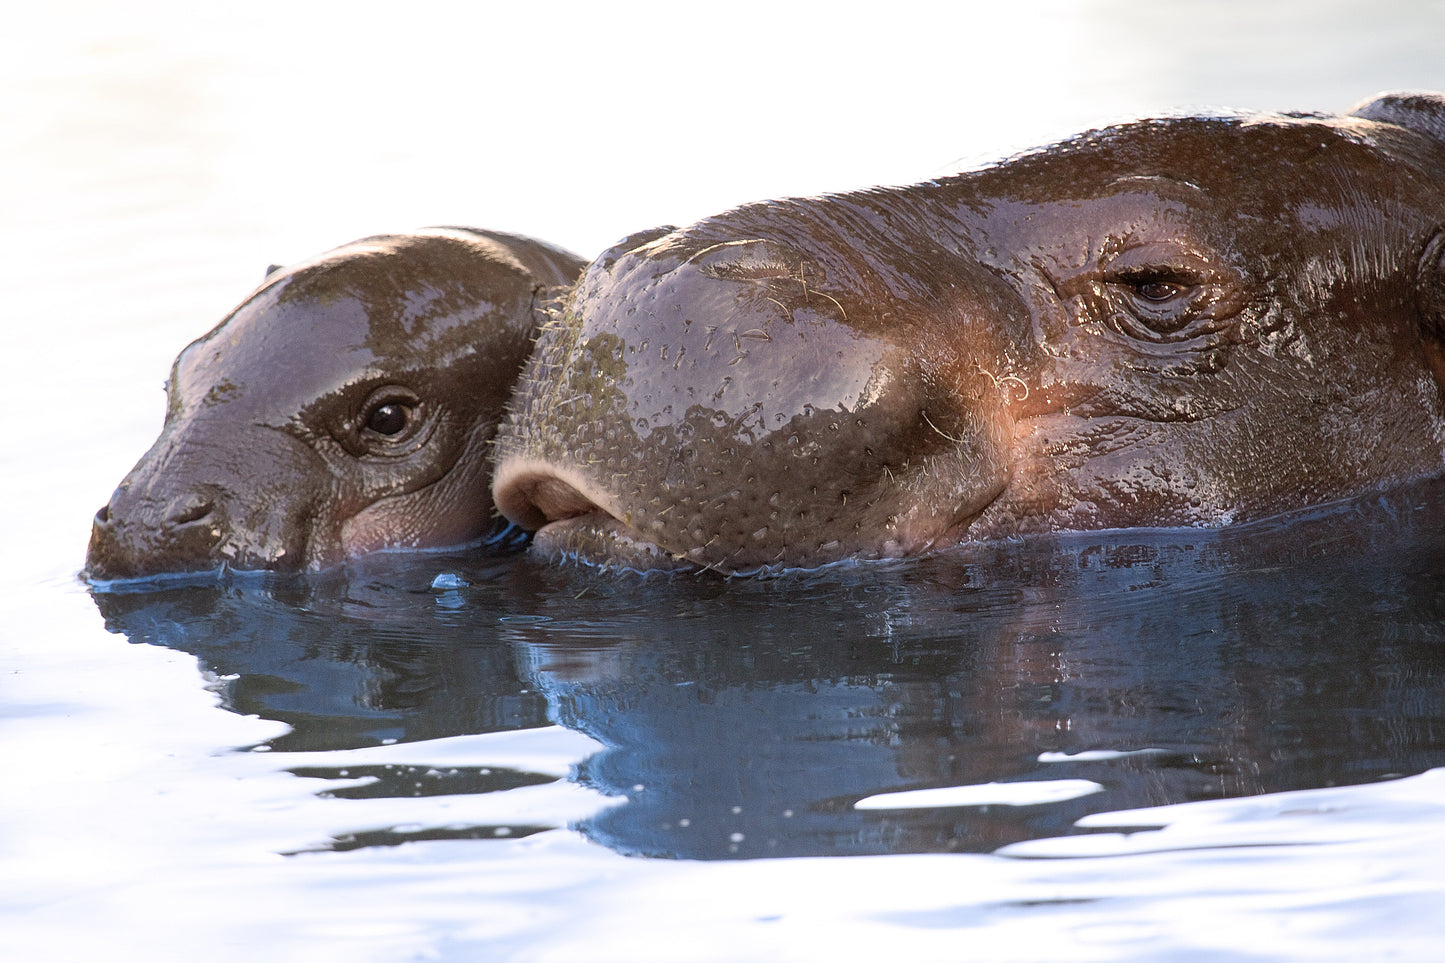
(369, 769)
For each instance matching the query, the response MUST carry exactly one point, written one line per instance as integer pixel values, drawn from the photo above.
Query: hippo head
(1182, 322)
(346, 406)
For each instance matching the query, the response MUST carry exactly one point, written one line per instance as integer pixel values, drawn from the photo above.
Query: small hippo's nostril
(188, 509)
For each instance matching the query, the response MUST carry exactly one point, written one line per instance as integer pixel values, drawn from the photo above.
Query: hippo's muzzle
(730, 406)
(181, 509)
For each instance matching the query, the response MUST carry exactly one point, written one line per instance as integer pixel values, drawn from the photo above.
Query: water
(1166, 745)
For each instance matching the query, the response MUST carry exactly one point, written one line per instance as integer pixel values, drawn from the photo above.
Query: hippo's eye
(1157, 287)
(1157, 304)
(1167, 296)
(388, 419)
(1158, 292)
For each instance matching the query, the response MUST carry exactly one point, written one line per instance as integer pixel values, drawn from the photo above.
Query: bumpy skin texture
(346, 406)
(1184, 322)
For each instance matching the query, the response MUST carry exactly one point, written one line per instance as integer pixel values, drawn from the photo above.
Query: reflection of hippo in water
(346, 406)
(745, 718)
(1169, 323)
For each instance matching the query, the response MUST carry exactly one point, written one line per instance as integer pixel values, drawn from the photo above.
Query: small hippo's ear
(272, 269)
(1420, 111)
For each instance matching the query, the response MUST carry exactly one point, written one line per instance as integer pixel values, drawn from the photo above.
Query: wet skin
(1185, 322)
(346, 406)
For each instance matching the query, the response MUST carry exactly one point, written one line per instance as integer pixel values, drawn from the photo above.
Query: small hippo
(345, 407)
(1182, 322)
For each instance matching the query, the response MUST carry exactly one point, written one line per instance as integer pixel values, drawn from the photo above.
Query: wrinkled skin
(345, 407)
(1184, 322)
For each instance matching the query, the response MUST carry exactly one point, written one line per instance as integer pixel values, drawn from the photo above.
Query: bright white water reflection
(226, 787)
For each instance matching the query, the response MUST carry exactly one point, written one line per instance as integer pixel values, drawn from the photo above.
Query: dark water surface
(745, 718)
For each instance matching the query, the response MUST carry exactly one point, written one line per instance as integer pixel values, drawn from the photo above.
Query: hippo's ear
(631, 243)
(1420, 111)
(1432, 289)
(272, 269)
(755, 260)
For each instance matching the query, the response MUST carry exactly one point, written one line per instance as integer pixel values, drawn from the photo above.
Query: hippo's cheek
(451, 508)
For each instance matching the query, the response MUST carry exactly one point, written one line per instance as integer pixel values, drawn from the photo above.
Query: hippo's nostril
(188, 509)
(557, 500)
(568, 518)
(534, 498)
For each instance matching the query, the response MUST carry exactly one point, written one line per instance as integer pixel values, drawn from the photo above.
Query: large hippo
(1182, 322)
(345, 406)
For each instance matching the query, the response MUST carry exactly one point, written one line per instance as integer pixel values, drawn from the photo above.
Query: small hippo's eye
(388, 419)
(390, 415)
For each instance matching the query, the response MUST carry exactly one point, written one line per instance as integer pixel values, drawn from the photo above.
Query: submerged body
(1184, 322)
(345, 407)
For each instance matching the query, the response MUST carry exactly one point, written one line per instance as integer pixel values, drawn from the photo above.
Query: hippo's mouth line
(597, 539)
(571, 519)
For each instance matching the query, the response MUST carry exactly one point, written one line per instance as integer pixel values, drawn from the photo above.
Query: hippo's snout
(192, 505)
(130, 531)
(732, 406)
